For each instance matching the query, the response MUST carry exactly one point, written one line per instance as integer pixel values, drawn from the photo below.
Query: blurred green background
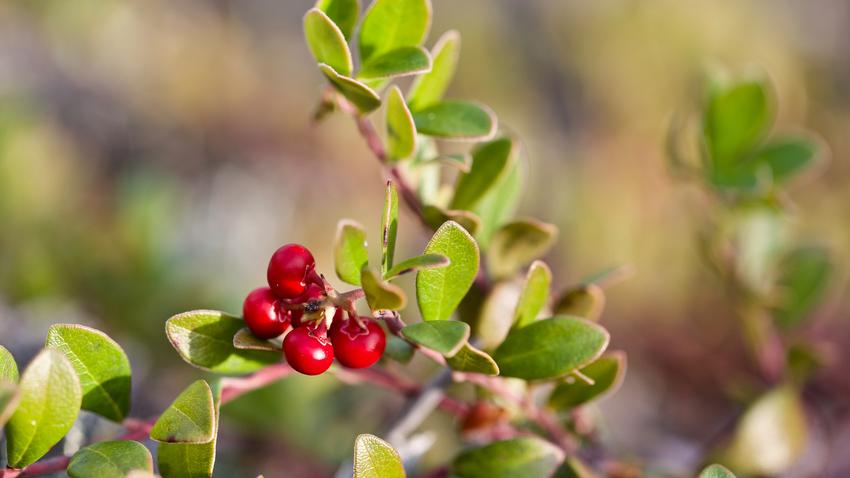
(154, 153)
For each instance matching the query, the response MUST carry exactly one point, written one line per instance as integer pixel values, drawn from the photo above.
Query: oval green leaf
(491, 162)
(110, 458)
(716, 471)
(787, 156)
(534, 294)
(389, 227)
(375, 458)
(401, 131)
(361, 96)
(344, 13)
(439, 291)
(204, 338)
(404, 61)
(245, 340)
(586, 300)
(350, 253)
(803, 279)
(326, 42)
(189, 419)
(607, 374)
(436, 217)
(500, 203)
(525, 456)
(8, 366)
(9, 398)
(550, 348)
(470, 359)
(736, 118)
(101, 365)
(399, 350)
(456, 119)
(50, 398)
(429, 88)
(391, 24)
(190, 460)
(444, 336)
(517, 243)
(418, 263)
(381, 295)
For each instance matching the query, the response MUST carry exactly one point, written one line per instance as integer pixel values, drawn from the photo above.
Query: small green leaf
(436, 217)
(190, 419)
(190, 460)
(517, 243)
(607, 373)
(245, 340)
(375, 458)
(770, 436)
(518, 457)
(381, 295)
(344, 13)
(573, 467)
(736, 118)
(101, 364)
(787, 156)
(496, 315)
(9, 398)
(803, 279)
(500, 203)
(398, 349)
(389, 227)
(456, 119)
(418, 263)
(586, 300)
(716, 471)
(391, 24)
(50, 397)
(350, 253)
(429, 88)
(439, 291)
(204, 338)
(404, 61)
(8, 366)
(550, 348)
(326, 41)
(361, 96)
(401, 132)
(534, 294)
(444, 336)
(110, 458)
(491, 162)
(470, 359)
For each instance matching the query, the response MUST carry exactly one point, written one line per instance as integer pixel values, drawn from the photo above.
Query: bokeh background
(154, 153)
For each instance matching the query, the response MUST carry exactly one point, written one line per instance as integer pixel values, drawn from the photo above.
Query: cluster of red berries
(295, 297)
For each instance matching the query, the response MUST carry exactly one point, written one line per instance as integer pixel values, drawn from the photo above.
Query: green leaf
(444, 336)
(456, 119)
(350, 253)
(607, 373)
(496, 315)
(770, 436)
(189, 460)
(736, 118)
(461, 161)
(375, 458)
(245, 340)
(8, 366)
(398, 349)
(50, 397)
(500, 203)
(716, 471)
(361, 96)
(439, 291)
(389, 227)
(534, 294)
(418, 263)
(9, 398)
(404, 61)
(344, 13)
(470, 359)
(436, 217)
(491, 162)
(401, 132)
(803, 279)
(110, 458)
(786, 156)
(204, 338)
(189, 419)
(391, 24)
(101, 365)
(518, 457)
(326, 41)
(573, 467)
(428, 89)
(550, 348)
(381, 295)
(585, 300)
(517, 243)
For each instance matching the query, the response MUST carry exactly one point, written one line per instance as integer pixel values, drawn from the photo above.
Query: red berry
(356, 346)
(313, 292)
(263, 314)
(308, 350)
(289, 269)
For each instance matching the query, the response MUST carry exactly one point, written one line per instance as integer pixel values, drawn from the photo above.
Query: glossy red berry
(356, 346)
(313, 292)
(263, 314)
(289, 270)
(308, 350)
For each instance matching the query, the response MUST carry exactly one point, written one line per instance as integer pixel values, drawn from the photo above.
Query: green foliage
(436, 216)
(392, 24)
(327, 42)
(401, 131)
(204, 338)
(389, 227)
(344, 13)
(804, 275)
(404, 61)
(517, 243)
(784, 157)
(716, 471)
(499, 203)
(456, 119)
(190, 460)
(101, 365)
(381, 295)
(8, 366)
(550, 348)
(418, 263)
(9, 398)
(428, 89)
(361, 96)
(444, 336)
(50, 398)
(736, 118)
(535, 293)
(375, 458)
(439, 291)
(350, 253)
(586, 300)
(399, 350)
(245, 340)
(110, 459)
(470, 359)
(526, 456)
(490, 163)
(607, 374)
(190, 419)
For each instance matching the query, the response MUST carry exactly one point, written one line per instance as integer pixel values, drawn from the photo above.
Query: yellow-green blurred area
(154, 153)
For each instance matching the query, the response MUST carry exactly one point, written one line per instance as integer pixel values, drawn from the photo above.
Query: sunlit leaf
(534, 294)
(9, 398)
(190, 460)
(344, 13)
(381, 295)
(189, 419)
(585, 300)
(401, 132)
(607, 374)
(429, 88)
(361, 96)
(439, 291)
(8, 366)
(418, 263)
(245, 340)
(350, 253)
(114, 459)
(436, 216)
(736, 118)
(517, 243)
(404, 61)
(716, 471)
(491, 162)
(375, 458)
(443, 336)
(470, 359)
(391, 24)
(456, 119)
(389, 227)
(326, 41)
(518, 457)
(499, 204)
